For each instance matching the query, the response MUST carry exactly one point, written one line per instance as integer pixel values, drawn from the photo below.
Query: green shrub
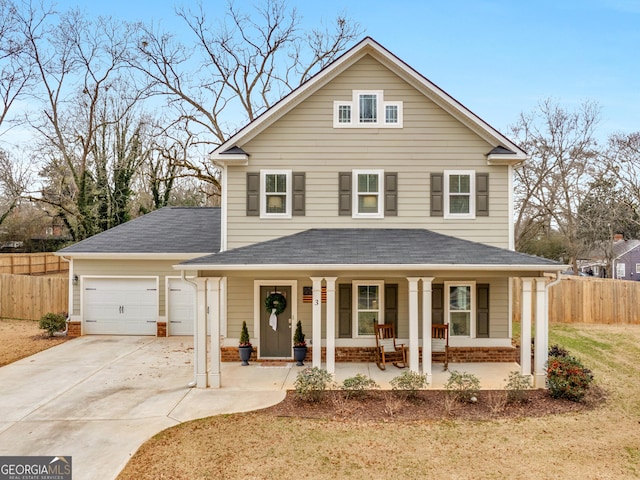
(53, 322)
(311, 383)
(356, 387)
(408, 383)
(463, 386)
(568, 378)
(245, 341)
(517, 386)
(558, 351)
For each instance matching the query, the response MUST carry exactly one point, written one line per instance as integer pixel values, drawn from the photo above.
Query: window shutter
(344, 310)
(344, 193)
(391, 305)
(437, 303)
(391, 194)
(482, 309)
(437, 195)
(253, 194)
(482, 194)
(298, 182)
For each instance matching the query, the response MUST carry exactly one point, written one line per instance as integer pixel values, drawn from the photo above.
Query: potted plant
(245, 348)
(299, 345)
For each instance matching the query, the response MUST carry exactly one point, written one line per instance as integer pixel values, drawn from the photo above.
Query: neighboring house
(626, 260)
(366, 195)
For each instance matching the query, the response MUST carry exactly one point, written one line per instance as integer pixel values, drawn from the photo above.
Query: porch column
(200, 333)
(316, 322)
(331, 324)
(525, 328)
(213, 287)
(542, 335)
(414, 358)
(426, 328)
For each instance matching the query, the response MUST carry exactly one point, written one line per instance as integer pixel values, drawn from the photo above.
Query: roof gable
(503, 150)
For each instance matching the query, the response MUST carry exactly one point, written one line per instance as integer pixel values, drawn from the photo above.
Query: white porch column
(200, 333)
(331, 324)
(213, 288)
(427, 321)
(542, 335)
(316, 322)
(414, 358)
(525, 328)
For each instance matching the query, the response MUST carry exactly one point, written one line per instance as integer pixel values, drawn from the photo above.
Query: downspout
(193, 383)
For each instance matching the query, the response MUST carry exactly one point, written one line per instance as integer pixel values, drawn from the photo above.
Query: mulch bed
(430, 405)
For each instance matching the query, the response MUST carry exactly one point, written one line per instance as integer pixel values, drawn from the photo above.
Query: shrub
(311, 383)
(408, 383)
(568, 378)
(558, 351)
(463, 386)
(52, 322)
(298, 336)
(356, 387)
(517, 386)
(245, 341)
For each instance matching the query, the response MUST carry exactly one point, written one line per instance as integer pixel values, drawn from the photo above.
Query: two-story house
(367, 194)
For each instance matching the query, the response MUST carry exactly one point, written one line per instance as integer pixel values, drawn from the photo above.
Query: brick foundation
(161, 329)
(367, 354)
(75, 329)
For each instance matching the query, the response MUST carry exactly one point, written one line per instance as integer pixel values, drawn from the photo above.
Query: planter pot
(298, 355)
(245, 354)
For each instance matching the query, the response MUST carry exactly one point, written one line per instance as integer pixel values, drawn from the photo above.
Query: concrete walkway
(98, 398)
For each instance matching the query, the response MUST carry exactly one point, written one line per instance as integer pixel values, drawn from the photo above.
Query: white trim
(531, 269)
(224, 205)
(263, 194)
(167, 299)
(472, 195)
(479, 342)
(354, 304)
(135, 256)
(257, 309)
(511, 209)
(354, 105)
(472, 312)
(355, 193)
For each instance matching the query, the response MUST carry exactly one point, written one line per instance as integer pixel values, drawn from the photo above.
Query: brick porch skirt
(367, 354)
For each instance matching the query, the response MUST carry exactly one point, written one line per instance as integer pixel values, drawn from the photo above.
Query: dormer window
(367, 109)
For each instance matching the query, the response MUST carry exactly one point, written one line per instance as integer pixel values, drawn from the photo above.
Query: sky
(497, 57)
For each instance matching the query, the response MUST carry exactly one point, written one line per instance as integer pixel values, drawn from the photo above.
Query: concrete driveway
(97, 399)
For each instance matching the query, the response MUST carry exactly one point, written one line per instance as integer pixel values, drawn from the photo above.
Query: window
(367, 307)
(367, 108)
(460, 304)
(459, 194)
(276, 193)
(368, 200)
(620, 271)
(637, 268)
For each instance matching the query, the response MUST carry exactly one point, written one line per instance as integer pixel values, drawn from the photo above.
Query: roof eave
(502, 159)
(130, 256)
(371, 267)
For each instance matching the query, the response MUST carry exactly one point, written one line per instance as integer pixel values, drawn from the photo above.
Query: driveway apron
(98, 398)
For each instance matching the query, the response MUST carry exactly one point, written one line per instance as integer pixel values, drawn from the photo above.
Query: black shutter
(390, 194)
(482, 309)
(298, 181)
(391, 305)
(344, 193)
(437, 303)
(344, 310)
(437, 195)
(482, 194)
(253, 194)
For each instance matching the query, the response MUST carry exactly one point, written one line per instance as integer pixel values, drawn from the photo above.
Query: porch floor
(274, 376)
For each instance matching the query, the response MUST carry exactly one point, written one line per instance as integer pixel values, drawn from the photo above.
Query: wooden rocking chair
(440, 341)
(387, 351)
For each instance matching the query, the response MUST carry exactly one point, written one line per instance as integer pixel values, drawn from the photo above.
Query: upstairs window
(367, 108)
(367, 186)
(276, 188)
(459, 194)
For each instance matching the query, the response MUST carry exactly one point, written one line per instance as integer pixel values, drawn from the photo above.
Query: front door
(275, 330)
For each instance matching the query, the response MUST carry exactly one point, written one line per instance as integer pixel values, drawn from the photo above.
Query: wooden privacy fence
(29, 298)
(588, 300)
(32, 263)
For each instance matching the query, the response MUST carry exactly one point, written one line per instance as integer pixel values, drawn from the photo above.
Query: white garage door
(120, 306)
(182, 303)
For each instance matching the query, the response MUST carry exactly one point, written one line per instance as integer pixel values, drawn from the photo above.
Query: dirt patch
(21, 338)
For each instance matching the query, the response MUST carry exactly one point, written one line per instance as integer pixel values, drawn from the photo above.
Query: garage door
(120, 306)
(182, 302)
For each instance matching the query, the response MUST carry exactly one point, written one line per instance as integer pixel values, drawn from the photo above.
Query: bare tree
(234, 70)
(623, 161)
(15, 179)
(551, 186)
